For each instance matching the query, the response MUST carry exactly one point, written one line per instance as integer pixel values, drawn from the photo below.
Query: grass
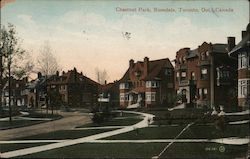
(210, 131)
(195, 131)
(22, 123)
(12, 147)
(141, 150)
(114, 122)
(64, 134)
(149, 133)
(17, 123)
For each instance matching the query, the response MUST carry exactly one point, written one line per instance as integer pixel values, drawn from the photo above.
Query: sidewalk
(144, 123)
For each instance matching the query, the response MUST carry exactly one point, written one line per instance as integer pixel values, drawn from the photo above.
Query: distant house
(242, 52)
(147, 84)
(109, 93)
(205, 76)
(36, 92)
(18, 98)
(75, 89)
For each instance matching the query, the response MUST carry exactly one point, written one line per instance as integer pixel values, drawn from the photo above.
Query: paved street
(69, 121)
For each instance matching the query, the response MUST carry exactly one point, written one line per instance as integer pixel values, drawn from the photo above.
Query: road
(69, 121)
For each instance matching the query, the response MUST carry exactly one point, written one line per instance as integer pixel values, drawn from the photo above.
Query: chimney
(63, 72)
(230, 43)
(105, 82)
(131, 63)
(146, 60)
(243, 34)
(75, 74)
(57, 73)
(39, 75)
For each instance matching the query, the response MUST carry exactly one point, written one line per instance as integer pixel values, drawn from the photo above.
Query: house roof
(243, 44)
(154, 68)
(72, 76)
(192, 53)
(219, 48)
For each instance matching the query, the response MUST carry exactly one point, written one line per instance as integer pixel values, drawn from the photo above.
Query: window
(126, 97)
(204, 93)
(152, 84)
(168, 72)
(243, 60)
(124, 86)
(243, 88)
(184, 59)
(122, 97)
(192, 76)
(204, 73)
(183, 75)
(150, 96)
(203, 56)
(207, 53)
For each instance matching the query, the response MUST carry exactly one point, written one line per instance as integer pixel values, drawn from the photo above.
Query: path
(229, 141)
(144, 123)
(69, 121)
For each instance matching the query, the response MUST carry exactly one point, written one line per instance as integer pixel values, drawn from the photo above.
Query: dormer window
(138, 73)
(207, 53)
(203, 56)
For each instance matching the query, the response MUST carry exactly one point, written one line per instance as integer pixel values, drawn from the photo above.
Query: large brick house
(242, 52)
(147, 83)
(74, 89)
(205, 76)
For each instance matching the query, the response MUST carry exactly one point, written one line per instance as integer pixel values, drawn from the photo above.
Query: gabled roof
(72, 76)
(154, 68)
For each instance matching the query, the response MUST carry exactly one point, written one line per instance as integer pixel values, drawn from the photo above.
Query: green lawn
(22, 123)
(149, 133)
(195, 131)
(141, 150)
(114, 122)
(64, 134)
(17, 123)
(12, 147)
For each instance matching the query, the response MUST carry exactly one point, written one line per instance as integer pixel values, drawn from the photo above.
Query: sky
(91, 34)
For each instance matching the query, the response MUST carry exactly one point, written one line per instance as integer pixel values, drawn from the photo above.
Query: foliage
(13, 55)
(47, 63)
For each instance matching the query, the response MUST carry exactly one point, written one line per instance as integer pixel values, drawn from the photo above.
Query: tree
(13, 62)
(101, 75)
(47, 63)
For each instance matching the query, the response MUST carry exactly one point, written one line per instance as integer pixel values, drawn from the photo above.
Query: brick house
(147, 83)
(242, 53)
(74, 89)
(205, 76)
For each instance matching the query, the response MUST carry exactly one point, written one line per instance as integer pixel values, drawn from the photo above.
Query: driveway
(69, 121)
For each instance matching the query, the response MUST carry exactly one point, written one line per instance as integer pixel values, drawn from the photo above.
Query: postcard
(124, 79)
